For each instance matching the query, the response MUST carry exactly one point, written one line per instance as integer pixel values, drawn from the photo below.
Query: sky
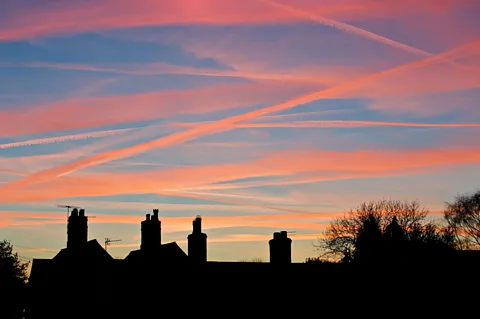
(258, 115)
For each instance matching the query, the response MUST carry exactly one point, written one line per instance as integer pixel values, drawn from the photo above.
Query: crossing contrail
(222, 125)
(350, 29)
(65, 138)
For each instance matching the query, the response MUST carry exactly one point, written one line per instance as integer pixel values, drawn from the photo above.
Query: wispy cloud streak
(349, 28)
(66, 138)
(53, 17)
(161, 68)
(221, 125)
(360, 32)
(338, 124)
(175, 224)
(277, 169)
(240, 203)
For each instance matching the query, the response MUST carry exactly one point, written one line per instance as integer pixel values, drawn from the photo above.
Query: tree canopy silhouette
(383, 229)
(463, 216)
(13, 277)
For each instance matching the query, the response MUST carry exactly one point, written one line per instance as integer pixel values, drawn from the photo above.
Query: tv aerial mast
(68, 208)
(108, 241)
(68, 211)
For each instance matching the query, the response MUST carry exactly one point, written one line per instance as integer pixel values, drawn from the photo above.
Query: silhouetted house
(280, 249)
(84, 281)
(152, 252)
(82, 266)
(197, 243)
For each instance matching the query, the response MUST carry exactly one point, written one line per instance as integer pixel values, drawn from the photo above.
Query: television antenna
(68, 211)
(71, 206)
(108, 241)
(68, 208)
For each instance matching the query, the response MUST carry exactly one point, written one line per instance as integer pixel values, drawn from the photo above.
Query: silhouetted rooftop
(91, 250)
(169, 253)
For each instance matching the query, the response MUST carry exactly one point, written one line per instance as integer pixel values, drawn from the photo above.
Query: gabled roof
(91, 250)
(169, 253)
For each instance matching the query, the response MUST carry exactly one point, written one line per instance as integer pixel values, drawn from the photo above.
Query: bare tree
(340, 237)
(463, 217)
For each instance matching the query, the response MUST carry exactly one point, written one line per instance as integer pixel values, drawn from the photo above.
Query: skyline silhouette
(386, 244)
(260, 116)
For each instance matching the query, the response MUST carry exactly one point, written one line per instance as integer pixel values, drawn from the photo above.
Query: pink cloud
(320, 75)
(223, 124)
(73, 17)
(339, 124)
(292, 166)
(95, 112)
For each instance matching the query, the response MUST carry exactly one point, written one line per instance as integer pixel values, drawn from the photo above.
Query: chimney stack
(197, 243)
(77, 229)
(280, 249)
(151, 232)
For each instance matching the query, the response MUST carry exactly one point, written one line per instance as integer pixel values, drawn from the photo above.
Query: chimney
(197, 243)
(145, 232)
(280, 249)
(197, 225)
(151, 231)
(77, 229)
(156, 229)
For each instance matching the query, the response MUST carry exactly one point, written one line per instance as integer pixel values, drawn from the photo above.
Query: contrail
(160, 68)
(66, 138)
(222, 125)
(350, 29)
(191, 195)
(333, 124)
(358, 31)
(340, 123)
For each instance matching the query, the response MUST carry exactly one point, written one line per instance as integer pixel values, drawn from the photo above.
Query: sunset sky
(258, 115)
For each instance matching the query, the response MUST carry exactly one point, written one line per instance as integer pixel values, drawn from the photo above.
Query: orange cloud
(291, 166)
(99, 111)
(176, 224)
(233, 238)
(217, 126)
